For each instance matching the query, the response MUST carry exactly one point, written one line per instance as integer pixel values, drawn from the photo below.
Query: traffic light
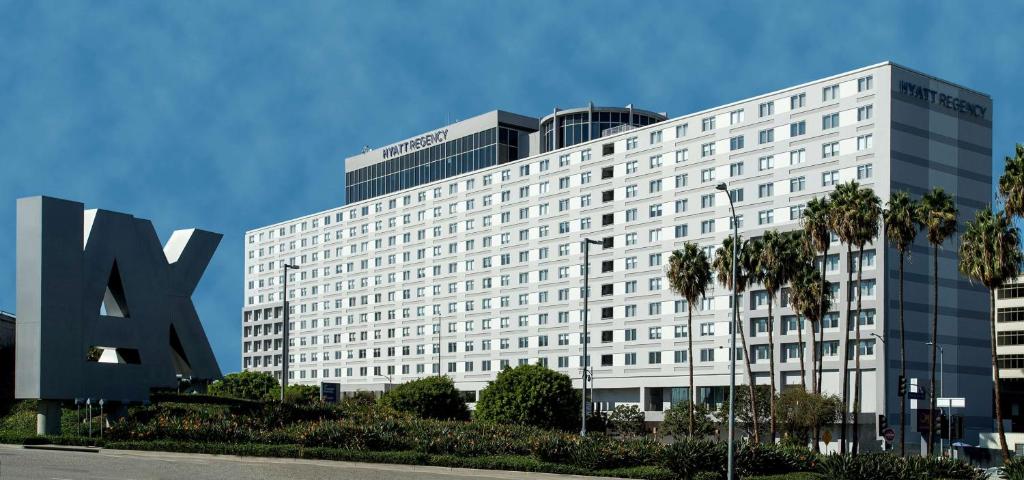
(902, 387)
(941, 425)
(883, 423)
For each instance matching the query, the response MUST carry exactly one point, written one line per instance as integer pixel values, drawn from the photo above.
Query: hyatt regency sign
(941, 99)
(415, 144)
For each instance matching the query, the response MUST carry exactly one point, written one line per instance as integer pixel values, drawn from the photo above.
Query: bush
(301, 394)
(247, 386)
(628, 420)
(677, 421)
(530, 395)
(1014, 469)
(430, 397)
(873, 466)
(687, 457)
(771, 459)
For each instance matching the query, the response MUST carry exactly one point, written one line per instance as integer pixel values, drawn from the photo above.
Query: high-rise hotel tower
(459, 251)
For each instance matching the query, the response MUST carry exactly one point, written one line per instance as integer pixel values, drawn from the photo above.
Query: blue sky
(231, 115)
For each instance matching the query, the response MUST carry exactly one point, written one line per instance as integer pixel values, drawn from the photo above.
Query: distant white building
(466, 263)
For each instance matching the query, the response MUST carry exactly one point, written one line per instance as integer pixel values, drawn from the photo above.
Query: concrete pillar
(48, 417)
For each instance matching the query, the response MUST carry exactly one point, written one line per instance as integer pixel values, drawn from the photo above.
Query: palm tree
(1011, 184)
(772, 257)
(723, 272)
(901, 227)
(937, 215)
(867, 210)
(816, 223)
(809, 299)
(843, 222)
(689, 275)
(990, 253)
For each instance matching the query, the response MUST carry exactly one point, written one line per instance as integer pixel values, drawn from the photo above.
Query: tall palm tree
(809, 299)
(816, 222)
(723, 272)
(843, 222)
(689, 274)
(937, 215)
(773, 259)
(867, 210)
(901, 227)
(990, 253)
(1011, 184)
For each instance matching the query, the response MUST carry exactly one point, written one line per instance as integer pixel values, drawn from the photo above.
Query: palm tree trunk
(750, 377)
(844, 351)
(771, 368)
(903, 369)
(856, 354)
(821, 322)
(689, 341)
(816, 356)
(800, 339)
(935, 338)
(995, 371)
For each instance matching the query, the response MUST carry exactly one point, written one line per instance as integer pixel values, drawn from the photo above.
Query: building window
(707, 175)
(765, 217)
(830, 149)
(682, 155)
(830, 93)
(797, 101)
(736, 116)
(766, 109)
(864, 113)
(765, 190)
(865, 83)
(830, 120)
(681, 130)
(766, 136)
(797, 157)
(735, 169)
(656, 137)
(707, 149)
(766, 163)
(631, 143)
(864, 171)
(736, 143)
(829, 178)
(797, 184)
(865, 142)
(797, 128)
(707, 124)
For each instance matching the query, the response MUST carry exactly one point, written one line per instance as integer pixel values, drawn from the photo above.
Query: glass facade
(579, 127)
(454, 157)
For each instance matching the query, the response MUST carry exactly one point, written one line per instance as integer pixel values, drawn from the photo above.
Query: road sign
(918, 395)
(951, 402)
(889, 434)
(826, 436)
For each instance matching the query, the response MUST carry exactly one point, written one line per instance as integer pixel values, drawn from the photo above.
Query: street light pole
(586, 311)
(722, 187)
(284, 351)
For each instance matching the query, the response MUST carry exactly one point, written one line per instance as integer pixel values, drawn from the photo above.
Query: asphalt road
(17, 463)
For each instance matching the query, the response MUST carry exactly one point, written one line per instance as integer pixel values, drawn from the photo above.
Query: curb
(62, 448)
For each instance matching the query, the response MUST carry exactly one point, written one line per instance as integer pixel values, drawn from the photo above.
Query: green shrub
(1014, 469)
(770, 459)
(874, 466)
(708, 476)
(430, 397)
(301, 394)
(677, 421)
(687, 457)
(530, 395)
(247, 386)
(628, 420)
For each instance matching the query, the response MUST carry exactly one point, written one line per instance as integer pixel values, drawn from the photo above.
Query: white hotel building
(464, 252)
